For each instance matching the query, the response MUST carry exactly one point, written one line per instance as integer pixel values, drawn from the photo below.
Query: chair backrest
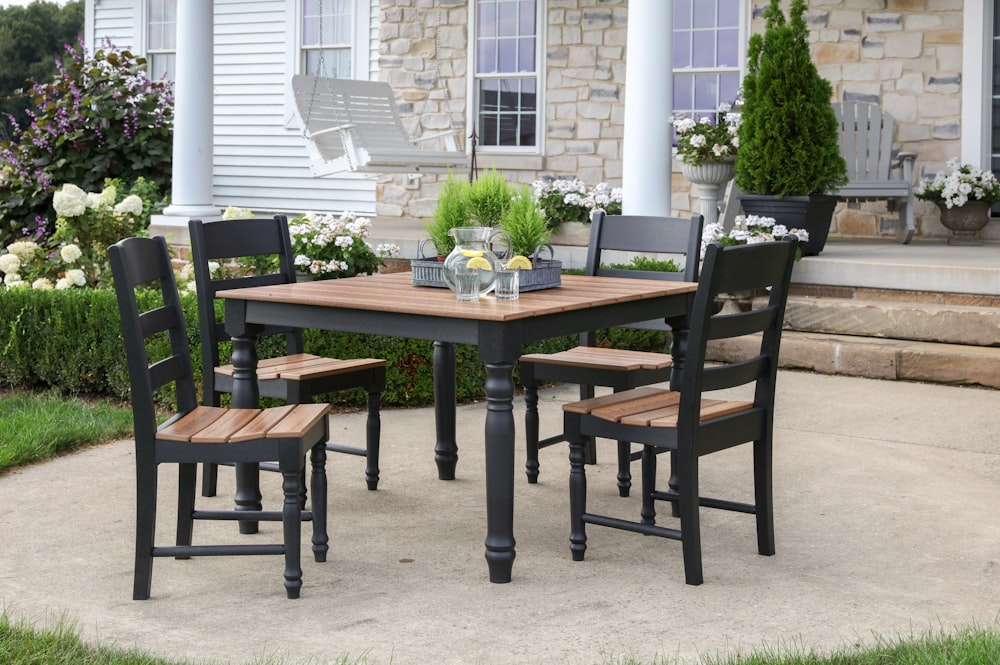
(866, 133)
(363, 110)
(149, 307)
(756, 267)
(645, 234)
(224, 242)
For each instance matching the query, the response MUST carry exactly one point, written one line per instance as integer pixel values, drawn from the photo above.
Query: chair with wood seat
(151, 316)
(691, 421)
(295, 377)
(618, 369)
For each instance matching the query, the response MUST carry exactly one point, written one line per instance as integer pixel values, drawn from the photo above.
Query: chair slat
(588, 405)
(262, 424)
(222, 429)
(659, 400)
(191, 423)
(302, 418)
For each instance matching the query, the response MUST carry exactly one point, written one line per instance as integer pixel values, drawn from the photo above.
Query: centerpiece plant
(789, 162)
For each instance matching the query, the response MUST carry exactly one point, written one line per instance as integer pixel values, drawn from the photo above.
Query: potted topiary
(526, 228)
(789, 160)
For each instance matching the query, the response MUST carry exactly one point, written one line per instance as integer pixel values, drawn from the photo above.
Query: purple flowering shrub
(100, 117)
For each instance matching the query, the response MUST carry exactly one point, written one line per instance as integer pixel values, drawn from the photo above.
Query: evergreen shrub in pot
(789, 155)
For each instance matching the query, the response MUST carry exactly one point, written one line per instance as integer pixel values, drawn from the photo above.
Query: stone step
(891, 359)
(951, 324)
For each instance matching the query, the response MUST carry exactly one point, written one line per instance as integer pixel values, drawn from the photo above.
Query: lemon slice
(519, 263)
(479, 262)
(471, 252)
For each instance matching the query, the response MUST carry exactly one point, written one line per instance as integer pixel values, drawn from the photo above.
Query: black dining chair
(294, 377)
(619, 369)
(151, 315)
(689, 422)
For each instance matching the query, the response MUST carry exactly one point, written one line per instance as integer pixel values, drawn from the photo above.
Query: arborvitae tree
(788, 135)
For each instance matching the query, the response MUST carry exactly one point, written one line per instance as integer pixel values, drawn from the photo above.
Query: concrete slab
(887, 498)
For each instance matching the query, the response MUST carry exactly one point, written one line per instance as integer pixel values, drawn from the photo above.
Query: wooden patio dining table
(390, 305)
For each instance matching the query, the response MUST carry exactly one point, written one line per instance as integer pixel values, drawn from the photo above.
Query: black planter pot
(812, 213)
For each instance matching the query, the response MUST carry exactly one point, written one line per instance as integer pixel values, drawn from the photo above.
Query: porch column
(191, 188)
(646, 157)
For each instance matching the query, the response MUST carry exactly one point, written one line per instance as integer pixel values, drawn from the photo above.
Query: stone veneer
(903, 54)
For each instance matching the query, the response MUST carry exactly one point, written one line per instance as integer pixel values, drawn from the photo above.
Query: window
(707, 49)
(326, 38)
(161, 39)
(506, 73)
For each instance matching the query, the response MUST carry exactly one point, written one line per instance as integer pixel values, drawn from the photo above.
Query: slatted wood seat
(295, 377)
(874, 172)
(353, 125)
(206, 434)
(619, 369)
(689, 422)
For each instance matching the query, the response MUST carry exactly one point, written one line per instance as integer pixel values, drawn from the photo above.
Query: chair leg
(145, 528)
(320, 539)
(648, 485)
(690, 519)
(763, 497)
(187, 476)
(531, 432)
(374, 433)
(675, 510)
(291, 520)
(577, 499)
(624, 468)
(209, 479)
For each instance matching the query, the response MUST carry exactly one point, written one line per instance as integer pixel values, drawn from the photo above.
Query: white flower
(70, 253)
(69, 201)
(213, 267)
(23, 249)
(42, 284)
(63, 283)
(131, 204)
(236, 213)
(9, 263)
(698, 140)
(76, 277)
(12, 279)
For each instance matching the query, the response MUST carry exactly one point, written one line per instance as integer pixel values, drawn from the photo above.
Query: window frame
(538, 76)
(152, 54)
(742, 30)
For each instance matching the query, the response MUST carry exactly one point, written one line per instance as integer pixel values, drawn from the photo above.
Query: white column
(648, 106)
(191, 191)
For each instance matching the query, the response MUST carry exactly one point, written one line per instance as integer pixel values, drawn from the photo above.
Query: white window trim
(977, 84)
(472, 119)
(360, 50)
(743, 30)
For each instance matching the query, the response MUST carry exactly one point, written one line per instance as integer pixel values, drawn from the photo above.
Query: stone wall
(903, 54)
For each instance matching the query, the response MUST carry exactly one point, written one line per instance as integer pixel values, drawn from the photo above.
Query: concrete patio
(887, 495)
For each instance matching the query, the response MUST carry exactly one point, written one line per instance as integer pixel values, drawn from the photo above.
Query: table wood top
(395, 293)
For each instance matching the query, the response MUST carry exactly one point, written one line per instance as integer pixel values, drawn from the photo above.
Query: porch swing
(354, 126)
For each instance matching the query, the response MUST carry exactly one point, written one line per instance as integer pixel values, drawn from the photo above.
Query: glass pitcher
(473, 251)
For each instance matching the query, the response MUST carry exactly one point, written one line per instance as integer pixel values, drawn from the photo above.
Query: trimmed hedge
(70, 341)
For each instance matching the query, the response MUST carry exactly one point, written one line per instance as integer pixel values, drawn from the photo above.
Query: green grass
(35, 427)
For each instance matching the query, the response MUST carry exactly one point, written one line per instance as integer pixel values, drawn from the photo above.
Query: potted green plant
(488, 198)
(528, 233)
(789, 160)
(452, 210)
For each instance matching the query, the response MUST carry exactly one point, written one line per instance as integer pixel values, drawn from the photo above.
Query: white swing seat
(353, 125)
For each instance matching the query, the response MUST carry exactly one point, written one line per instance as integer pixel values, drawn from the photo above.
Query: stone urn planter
(965, 222)
(707, 182)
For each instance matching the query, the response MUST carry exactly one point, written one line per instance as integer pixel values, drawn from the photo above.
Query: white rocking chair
(353, 125)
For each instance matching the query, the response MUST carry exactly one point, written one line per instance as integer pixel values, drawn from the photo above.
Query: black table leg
(500, 470)
(246, 395)
(445, 398)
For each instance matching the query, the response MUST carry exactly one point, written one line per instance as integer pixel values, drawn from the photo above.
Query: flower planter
(812, 213)
(965, 222)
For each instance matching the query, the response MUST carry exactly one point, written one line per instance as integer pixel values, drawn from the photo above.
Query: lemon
(519, 263)
(471, 252)
(479, 262)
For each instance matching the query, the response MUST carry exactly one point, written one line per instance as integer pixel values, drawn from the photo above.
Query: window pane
(729, 13)
(682, 14)
(682, 50)
(528, 15)
(683, 92)
(526, 55)
(704, 14)
(506, 55)
(703, 48)
(729, 87)
(507, 19)
(706, 93)
(729, 48)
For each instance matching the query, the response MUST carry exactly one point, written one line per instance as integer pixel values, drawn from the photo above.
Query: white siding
(260, 159)
(114, 20)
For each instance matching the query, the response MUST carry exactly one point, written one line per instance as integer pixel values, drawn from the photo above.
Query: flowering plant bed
(961, 184)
